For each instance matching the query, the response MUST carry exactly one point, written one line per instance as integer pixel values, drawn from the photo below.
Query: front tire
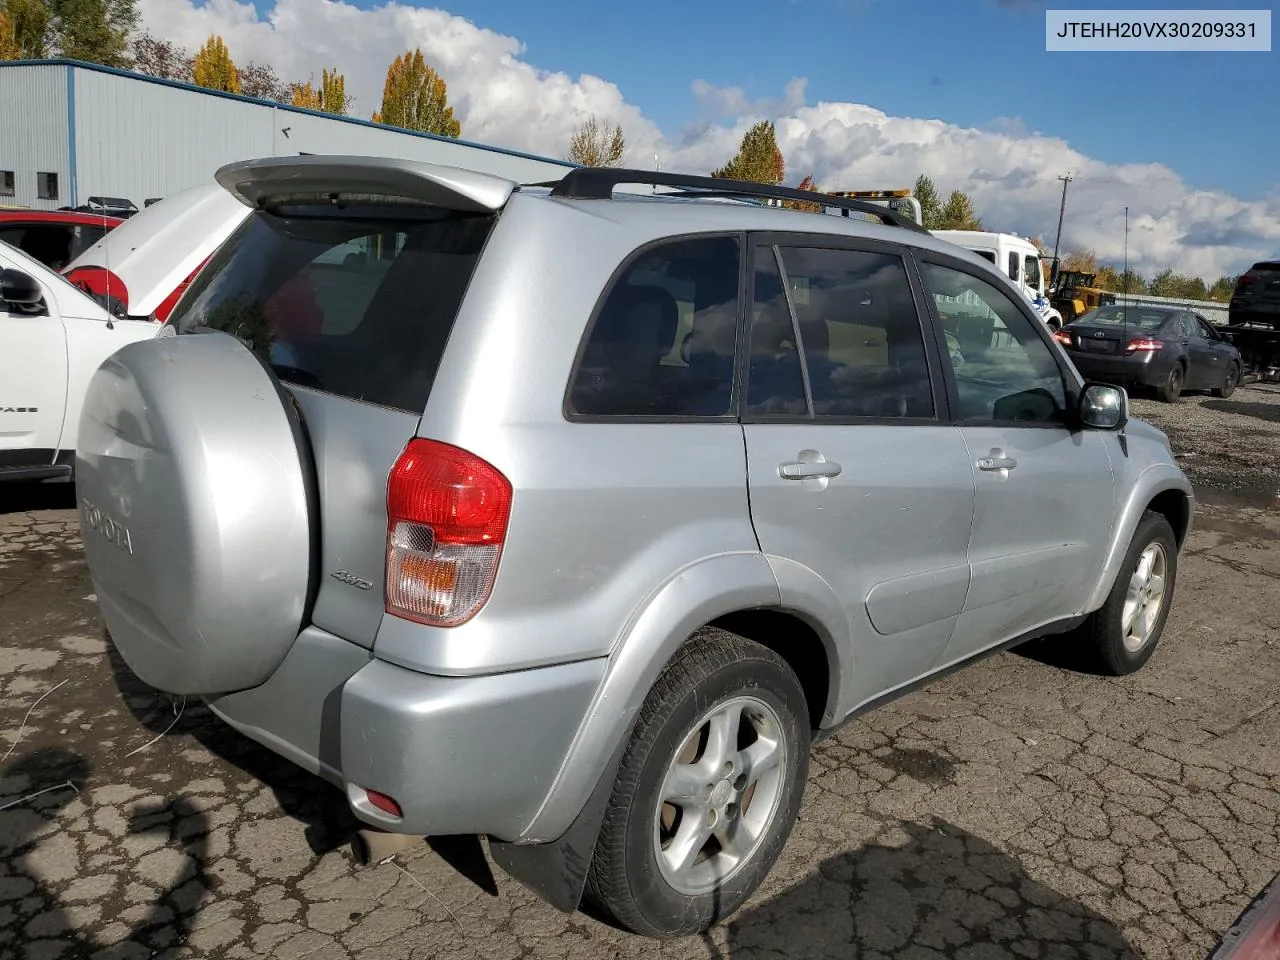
(1229, 383)
(1123, 633)
(708, 789)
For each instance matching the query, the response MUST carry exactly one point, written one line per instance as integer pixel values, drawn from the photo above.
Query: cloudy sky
(865, 93)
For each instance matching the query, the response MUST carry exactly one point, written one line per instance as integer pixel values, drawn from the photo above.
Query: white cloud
(503, 100)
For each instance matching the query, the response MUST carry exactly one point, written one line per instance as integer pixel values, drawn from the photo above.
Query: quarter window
(663, 341)
(1003, 370)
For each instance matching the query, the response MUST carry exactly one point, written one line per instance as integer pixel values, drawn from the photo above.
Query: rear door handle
(994, 463)
(808, 469)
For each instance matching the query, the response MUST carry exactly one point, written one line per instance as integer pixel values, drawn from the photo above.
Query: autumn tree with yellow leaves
(415, 97)
(330, 96)
(9, 49)
(213, 67)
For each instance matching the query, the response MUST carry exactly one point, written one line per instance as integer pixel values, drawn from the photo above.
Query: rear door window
(860, 333)
(355, 300)
(663, 341)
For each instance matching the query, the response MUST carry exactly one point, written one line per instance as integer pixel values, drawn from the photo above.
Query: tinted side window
(663, 341)
(860, 333)
(1188, 327)
(357, 301)
(1003, 370)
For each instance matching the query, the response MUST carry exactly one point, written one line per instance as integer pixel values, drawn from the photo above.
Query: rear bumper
(458, 754)
(1141, 370)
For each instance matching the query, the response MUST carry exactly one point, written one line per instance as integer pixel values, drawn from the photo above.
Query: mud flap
(557, 871)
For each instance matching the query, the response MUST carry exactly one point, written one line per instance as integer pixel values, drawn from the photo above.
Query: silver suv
(574, 517)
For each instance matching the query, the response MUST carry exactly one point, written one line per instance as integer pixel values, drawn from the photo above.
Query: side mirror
(19, 288)
(1103, 407)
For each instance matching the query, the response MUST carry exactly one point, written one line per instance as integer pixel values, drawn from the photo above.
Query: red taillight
(447, 513)
(1144, 345)
(1062, 337)
(1249, 279)
(100, 284)
(384, 803)
(169, 302)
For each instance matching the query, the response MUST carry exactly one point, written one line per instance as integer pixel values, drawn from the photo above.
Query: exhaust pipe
(370, 847)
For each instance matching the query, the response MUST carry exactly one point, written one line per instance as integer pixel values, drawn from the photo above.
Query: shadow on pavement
(1269, 412)
(322, 809)
(40, 785)
(944, 893)
(29, 497)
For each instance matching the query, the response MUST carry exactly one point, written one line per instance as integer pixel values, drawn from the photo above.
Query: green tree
(213, 67)
(29, 21)
(1223, 288)
(958, 213)
(930, 202)
(1163, 284)
(415, 97)
(330, 96)
(758, 158)
(595, 144)
(96, 31)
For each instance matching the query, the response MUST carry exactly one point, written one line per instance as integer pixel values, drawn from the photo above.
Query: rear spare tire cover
(195, 501)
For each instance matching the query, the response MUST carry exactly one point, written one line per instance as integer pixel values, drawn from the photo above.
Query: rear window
(1127, 316)
(357, 301)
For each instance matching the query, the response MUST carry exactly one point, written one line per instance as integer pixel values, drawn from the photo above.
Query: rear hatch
(1259, 287)
(146, 262)
(342, 287)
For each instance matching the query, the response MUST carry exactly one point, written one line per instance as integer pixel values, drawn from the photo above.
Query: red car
(54, 237)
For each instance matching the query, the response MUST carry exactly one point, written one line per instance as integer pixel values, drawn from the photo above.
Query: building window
(6, 183)
(47, 186)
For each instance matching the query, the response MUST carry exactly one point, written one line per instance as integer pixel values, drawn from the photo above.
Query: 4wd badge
(352, 580)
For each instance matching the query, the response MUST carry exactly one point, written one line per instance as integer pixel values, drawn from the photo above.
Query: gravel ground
(1227, 447)
(1016, 809)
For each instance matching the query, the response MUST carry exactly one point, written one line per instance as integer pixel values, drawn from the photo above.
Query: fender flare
(1154, 480)
(553, 853)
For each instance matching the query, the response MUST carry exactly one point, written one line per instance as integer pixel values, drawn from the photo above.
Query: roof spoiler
(255, 182)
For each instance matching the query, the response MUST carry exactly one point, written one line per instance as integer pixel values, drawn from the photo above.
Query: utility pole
(1061, 210)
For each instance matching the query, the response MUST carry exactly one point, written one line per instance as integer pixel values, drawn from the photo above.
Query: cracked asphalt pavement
(1019, 808)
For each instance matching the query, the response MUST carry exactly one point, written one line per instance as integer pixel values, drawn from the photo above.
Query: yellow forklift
(1072, 293)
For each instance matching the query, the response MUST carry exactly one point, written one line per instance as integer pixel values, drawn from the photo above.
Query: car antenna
(106, 266)
(1124, 279)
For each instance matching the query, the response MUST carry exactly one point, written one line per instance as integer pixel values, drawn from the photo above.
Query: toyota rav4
(573, 517)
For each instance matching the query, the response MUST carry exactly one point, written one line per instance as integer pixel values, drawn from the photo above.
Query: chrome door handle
(808, 469)
(996, 460)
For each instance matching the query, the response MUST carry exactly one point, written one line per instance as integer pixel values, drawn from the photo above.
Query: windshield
(1139, 318)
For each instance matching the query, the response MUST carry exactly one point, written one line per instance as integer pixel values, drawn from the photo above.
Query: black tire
(1103, 634)
(1229, 382)
(625, 880)
(1171, 389)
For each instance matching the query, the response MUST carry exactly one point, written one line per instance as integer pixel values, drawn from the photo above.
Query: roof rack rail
(597, 183)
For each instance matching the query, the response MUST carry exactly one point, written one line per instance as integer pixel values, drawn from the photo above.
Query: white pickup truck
(53, 337)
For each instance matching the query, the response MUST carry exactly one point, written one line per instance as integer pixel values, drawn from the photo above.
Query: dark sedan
(1167, 349)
